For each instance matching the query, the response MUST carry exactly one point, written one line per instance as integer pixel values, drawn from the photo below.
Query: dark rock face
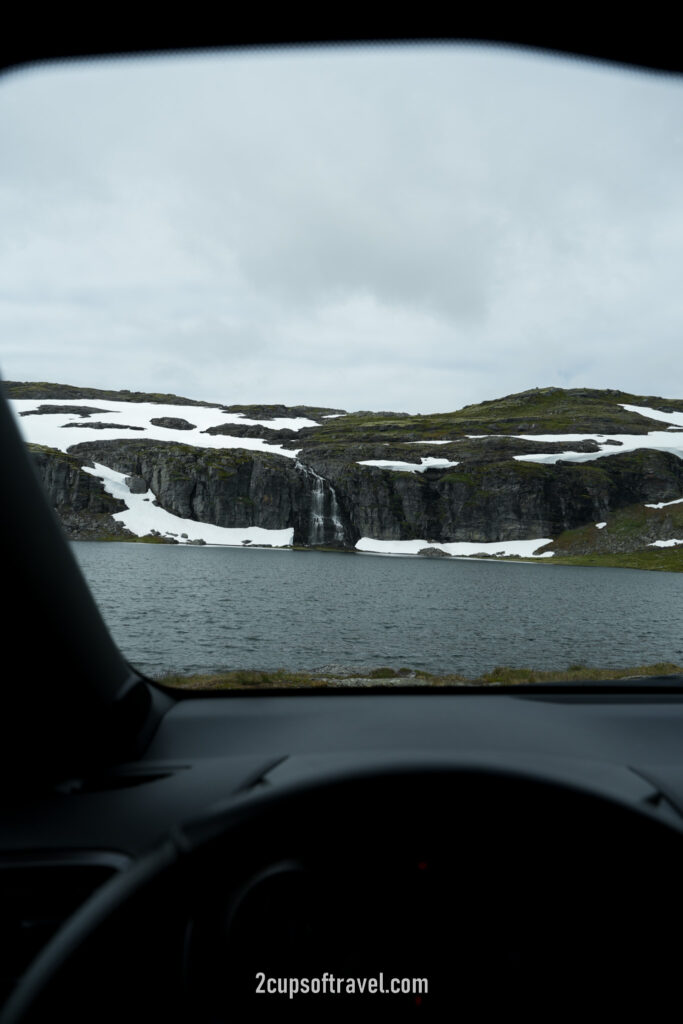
(331, 500)
(73, 410)
(272, 412)
(252, 430)
(80, 500)
(102, 426)
(137, 484)
(489, 501)
(229, 487)
(173, 423)
(69, 487)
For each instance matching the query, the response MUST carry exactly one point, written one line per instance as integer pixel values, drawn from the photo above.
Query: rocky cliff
(488, 496)
(227, 487)
(482, 492)
(80, 500)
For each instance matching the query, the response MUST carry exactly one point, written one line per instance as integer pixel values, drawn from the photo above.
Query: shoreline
(665, 559)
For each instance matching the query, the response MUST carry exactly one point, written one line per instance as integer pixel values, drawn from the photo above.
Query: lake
(197, 609)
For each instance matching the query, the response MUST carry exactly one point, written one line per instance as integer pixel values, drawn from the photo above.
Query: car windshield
(355, 366)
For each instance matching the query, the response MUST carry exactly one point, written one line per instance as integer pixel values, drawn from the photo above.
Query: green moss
(48, 391)
(501, 675)
(460, 477)
(541, 410)
(658, 559)
(627, 528)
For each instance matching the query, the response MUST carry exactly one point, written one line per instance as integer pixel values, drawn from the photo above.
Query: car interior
(179, 856)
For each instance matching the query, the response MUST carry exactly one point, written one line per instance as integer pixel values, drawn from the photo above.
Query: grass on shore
(658, 559)
(240, 679)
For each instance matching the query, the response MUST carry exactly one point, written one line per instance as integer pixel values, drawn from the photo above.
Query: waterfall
(334, 514)
(322, 494)
(317, 510)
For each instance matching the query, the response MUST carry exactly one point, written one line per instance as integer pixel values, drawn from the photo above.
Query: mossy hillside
(655, 559)
(628, 529)
(46, 390)
(541, 411)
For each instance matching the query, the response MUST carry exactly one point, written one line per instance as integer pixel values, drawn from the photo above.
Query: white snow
(432, 442)
(143, 516)
(601, 526)
(411, 467)
(664, 543)
(462, 548)
(49, 429)
(664, 504)
(333, 416)
(674, 418)
(657, 440)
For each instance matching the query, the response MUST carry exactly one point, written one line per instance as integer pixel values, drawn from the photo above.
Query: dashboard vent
(36, 896)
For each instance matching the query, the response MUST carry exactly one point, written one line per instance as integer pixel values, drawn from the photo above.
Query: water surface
(198, 609)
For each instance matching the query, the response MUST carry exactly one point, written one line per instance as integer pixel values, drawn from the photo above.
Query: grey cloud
(416, 228)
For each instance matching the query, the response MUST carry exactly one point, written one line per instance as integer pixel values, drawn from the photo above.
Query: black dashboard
(435, 842)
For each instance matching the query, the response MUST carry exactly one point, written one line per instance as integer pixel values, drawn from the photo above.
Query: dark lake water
(193, 609)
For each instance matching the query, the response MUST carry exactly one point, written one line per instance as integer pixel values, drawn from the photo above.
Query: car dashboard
(294, 849)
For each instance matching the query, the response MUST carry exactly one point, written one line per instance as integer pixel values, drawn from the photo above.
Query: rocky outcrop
(330, 499)
(136, 484)
(80, 500)
(102, 426)
(488, 501)
(228, 487)
(252, 430)
(84, 411)
(172, 423)
(272, 412)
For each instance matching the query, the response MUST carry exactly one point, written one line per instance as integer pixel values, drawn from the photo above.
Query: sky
(388, 228)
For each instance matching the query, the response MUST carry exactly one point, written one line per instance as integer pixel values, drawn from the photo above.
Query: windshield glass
(355, 366)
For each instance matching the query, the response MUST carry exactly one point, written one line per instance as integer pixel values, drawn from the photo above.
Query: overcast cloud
(394, 228)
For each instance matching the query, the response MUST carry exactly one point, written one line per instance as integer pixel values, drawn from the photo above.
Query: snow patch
(48, 429)
(664, 504)
(411, 467)
(664, 543)
(601, 526)
(457, 548)
(657, 440)
(674, 418)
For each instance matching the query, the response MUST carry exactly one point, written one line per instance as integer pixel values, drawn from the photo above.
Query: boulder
(136, 484)
(173, 423)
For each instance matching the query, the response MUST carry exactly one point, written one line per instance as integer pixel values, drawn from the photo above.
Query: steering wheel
(503, 890)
